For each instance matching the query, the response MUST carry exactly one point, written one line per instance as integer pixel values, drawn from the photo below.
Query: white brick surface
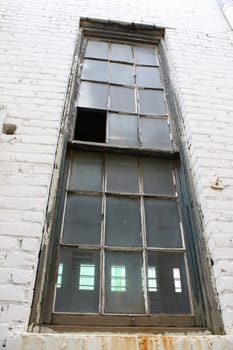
(37, 42)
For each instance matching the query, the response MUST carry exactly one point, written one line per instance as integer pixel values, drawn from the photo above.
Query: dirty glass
(122, 129)
(122, 99)
(123, 282)
(162, 223)
(166, 299)
(86, 171)
(97, 49)
(152, 102)
(123, 223)
(79, 290)
(157, 177)
(148, 77)
(121, 53)
(155, 133)
(82, 220)
(122, 174)
(93, 95)
(95, 70)
(145, 56)
(121, 74)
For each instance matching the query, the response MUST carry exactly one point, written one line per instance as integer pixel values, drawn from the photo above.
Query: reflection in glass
(95, 70)
(152, 102)
(152, 279)
(118, 278)
(121, 53)
(123, 129)
(87, 277)
(93, 95)
(148, 77)
(177, 280)
(145, 55)
(155, 133)
(122, 99)
(97, 49)
(59, 275)
(121, 74)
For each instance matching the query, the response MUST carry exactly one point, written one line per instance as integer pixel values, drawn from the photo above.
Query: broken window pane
(145, 55)
(127, 294)
(148, 77)
(155, 133)
(152, 102)
(82, 220)
(121, 74)
(167, 299)
(97, 49)
(123, 129)
(122, 174)
(123, 223)
(157, 177)
(95, 70)
(90, 125)
(93, 95)
(122, 99)
(86, 171)
(121, 53)
(79, 291)
(162, 223)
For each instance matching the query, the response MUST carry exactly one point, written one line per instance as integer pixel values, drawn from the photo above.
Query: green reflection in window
(118, 278)
(87, 277)
(59, 275)
(152, 279)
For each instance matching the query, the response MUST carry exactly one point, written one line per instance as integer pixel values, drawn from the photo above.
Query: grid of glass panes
(124, 80)
(121, 242)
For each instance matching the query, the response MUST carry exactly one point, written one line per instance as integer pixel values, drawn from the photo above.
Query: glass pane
(95, 70)
(123, 129)
(121, 74)
(157, 177)
(79, 288)
(123, 223)
(82, 220)
(122, 174)
(152, 102)
(97, 49)
(86, 171)
(148, 77)
(93, 95)
(122, 99)
(123, 283)
(171, 295)
(155, 133)
(162, 223)
(121, 53)
(145, 55)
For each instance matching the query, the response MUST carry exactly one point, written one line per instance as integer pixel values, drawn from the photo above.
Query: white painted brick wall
(37, 40)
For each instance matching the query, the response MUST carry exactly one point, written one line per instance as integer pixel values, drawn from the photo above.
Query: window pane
(94, 70)
(155, 133)
(122, 99)
(151, 102)
(157, 177)
(123, 129)
(79, 289)
(123, 283)
(93, 95)
(97, 49)
(122, 174)
(121, 53)
(123, 223)
(169, 297)
(145, 55)
(162, 223)
(86, 171)
(121, 74)
(148, 77)
(82, 220)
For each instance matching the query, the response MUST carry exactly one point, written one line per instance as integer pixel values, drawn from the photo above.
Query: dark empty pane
(122, 53)
(145, 55)
(86, 171)
(121, 74)
(122, 174)
(122, 99)
(148, 77)
(93, 95)
(123, 129)
(151, 102)
(82, 222)
(97, 49)
(155, 133)
(157, 177)
(123, 283)
(123, 223)
(94, 70)
(171, 295)
(90, 125)
(162, 223)
(78, 277)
